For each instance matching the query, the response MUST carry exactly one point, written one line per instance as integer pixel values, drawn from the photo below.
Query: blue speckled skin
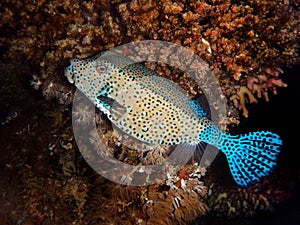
(250, 156)
(155, 110)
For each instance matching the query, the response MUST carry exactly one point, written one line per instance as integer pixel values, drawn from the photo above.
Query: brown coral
(243, 47)
(181, 202)
(169, 202)
(238, 41)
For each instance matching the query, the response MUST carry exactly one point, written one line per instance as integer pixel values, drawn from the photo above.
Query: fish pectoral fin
(116, 109)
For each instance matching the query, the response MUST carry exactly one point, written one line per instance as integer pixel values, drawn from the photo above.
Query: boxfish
(156, 110)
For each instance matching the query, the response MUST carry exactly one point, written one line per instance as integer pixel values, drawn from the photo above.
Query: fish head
(92, 75)
(79, 69)
(103, 65)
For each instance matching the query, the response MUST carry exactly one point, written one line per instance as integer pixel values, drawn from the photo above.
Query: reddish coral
(248, 45)
(238, 40)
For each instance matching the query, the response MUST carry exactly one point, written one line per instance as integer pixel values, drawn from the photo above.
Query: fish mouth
(69, 73)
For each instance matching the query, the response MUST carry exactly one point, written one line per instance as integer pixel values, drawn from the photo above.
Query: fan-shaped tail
(251, 156)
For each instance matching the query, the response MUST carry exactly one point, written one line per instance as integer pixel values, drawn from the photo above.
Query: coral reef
(176, 200)
(40, 182)
(247, 44)
(182, 201)
(45, 180)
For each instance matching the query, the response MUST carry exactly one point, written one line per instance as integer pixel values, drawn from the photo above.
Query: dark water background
(282, 115)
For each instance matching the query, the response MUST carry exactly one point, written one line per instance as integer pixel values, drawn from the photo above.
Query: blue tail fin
(251, 156)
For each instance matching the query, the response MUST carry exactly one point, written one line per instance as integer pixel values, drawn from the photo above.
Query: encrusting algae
(247, 51)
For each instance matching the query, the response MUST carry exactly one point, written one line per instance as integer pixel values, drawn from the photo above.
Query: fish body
(155, 110)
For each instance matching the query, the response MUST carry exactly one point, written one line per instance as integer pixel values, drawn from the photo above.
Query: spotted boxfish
(155, 110)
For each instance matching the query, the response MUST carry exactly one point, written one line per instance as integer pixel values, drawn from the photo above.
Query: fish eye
(101, 69)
